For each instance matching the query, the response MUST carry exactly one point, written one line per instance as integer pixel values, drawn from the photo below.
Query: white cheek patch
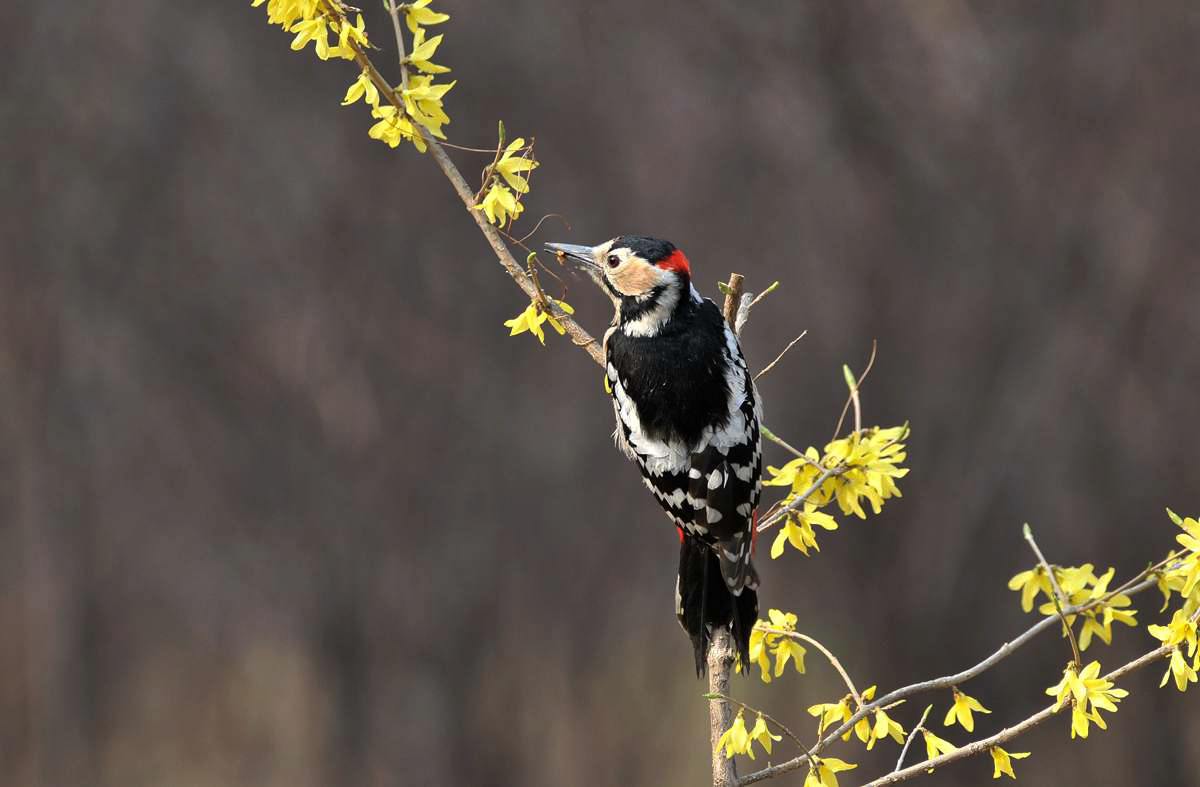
(649, 323)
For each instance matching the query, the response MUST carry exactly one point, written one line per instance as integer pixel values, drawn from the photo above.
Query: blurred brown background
(282, 504)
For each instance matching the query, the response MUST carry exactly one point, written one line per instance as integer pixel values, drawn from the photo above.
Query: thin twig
(1059, 597)
(774, 438)
(779, 357)
(1159, 566)
(837, 665)
(754, 302)
(853, 392)
(912, 734)
(774, 518)
(394, 13)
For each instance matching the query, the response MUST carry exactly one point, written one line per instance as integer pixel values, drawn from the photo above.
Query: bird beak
(580, 255)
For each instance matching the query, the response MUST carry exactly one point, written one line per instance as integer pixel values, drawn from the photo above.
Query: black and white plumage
(688, 414)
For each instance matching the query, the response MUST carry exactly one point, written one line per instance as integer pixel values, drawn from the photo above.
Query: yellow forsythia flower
(500, 206)
(825, 772)
(882, 727)
(761, 734)
(532, 318)
(510, 164)
(735, 740)
(394, 127)
(831, 713)
(763, 643)
(363, 88)
(1002, 761)
(423, 51)
(1030, 583)
(1180, 633)
(1189, 572)
(423, 103)
(418, 13)
(935, 746)
(961, 711)
(797, 530)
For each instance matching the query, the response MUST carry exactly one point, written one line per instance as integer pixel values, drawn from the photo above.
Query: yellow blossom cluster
(769, 638)
(738, 740)
(499, 204)
(861, 467)
(870, 729)
(1089, 694)
(316, 20)
(1183, 576)
(1081, 587)
(400, 112)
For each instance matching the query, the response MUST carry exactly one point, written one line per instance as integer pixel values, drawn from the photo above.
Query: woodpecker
(688, 414)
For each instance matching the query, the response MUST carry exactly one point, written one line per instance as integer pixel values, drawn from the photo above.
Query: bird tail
(704, 602)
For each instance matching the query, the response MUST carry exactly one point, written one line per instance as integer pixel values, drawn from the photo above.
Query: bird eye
(613, 260)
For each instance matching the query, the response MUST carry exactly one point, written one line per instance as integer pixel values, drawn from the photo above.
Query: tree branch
(720, 712)
(1008, 733)
(945, 682)
(579, 336)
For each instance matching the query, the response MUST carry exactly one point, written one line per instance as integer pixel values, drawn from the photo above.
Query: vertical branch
(733, 298)
(720, 648)
(720, 712)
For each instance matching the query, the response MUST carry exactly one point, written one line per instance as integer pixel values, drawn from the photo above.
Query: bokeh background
(282, 504)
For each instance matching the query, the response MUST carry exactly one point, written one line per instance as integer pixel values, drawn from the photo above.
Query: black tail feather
(705, 603)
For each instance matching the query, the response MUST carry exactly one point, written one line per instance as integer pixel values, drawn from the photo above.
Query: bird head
(646, 278)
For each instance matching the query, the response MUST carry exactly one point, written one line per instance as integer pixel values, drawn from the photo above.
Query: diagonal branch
(980, 746)
(579, 336)
(911, 735)
(945, 682)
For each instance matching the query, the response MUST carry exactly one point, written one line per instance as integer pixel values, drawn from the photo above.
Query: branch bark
(720, 712)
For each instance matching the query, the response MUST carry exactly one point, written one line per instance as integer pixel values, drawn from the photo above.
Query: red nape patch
(680, 529)
(675, 262)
